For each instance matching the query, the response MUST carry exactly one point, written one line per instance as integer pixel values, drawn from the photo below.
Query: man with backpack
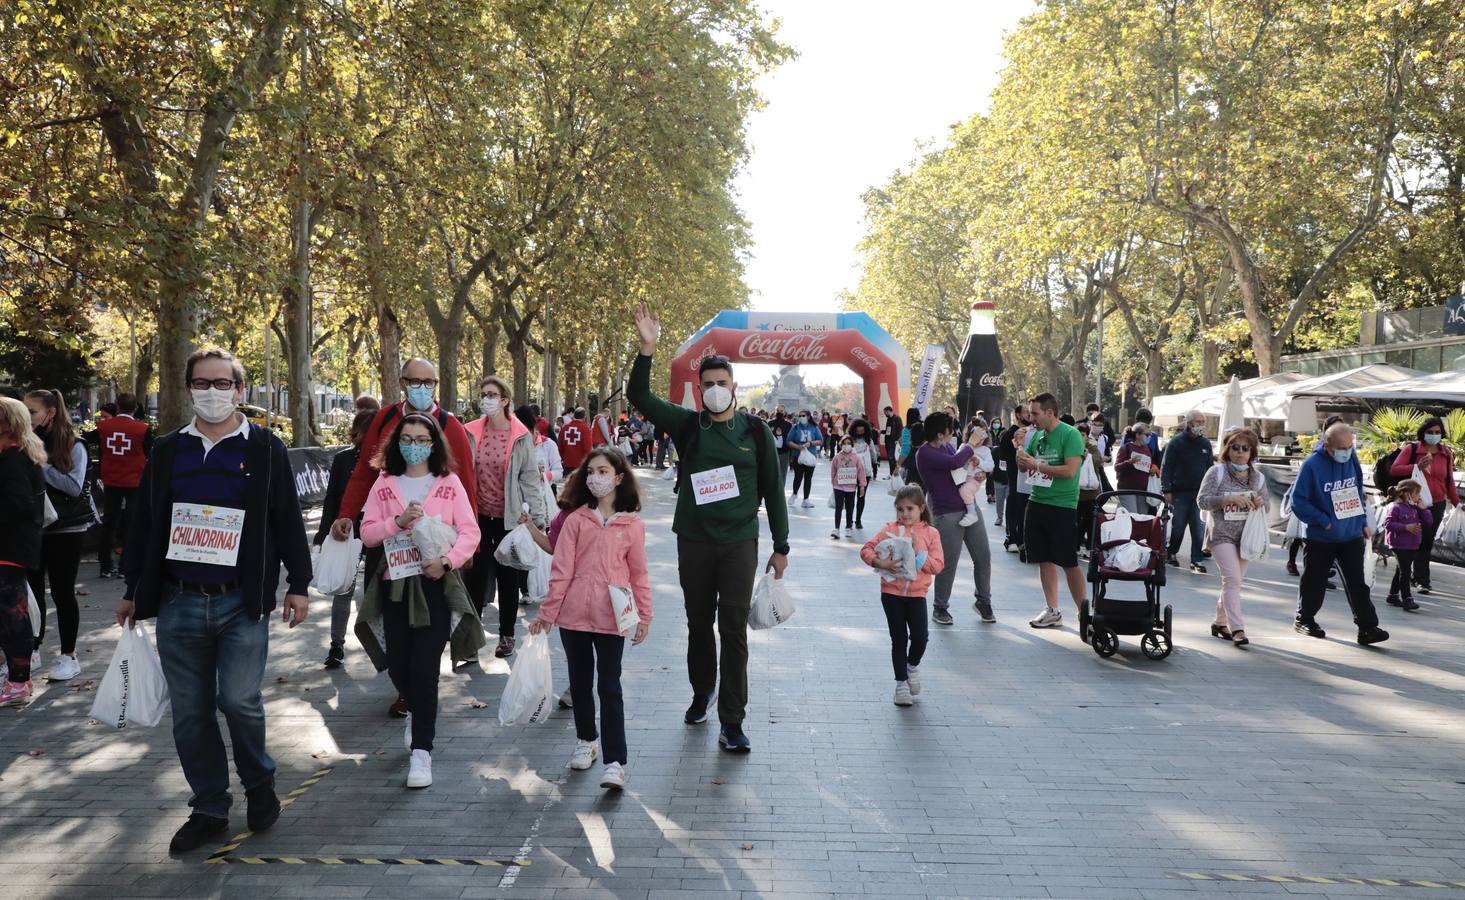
(728, 467)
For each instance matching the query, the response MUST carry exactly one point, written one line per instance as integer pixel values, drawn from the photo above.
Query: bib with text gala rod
(715, 485)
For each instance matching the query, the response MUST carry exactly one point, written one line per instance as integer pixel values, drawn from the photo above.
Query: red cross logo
(119, 443)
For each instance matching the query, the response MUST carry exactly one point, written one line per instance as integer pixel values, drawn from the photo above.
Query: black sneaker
(1197, 568)
(985, 611)
(942, 617)
(398, 709)
(1409, 604)
(264, 806)
(197, 831)
(1393, 600)
(335, 656)
(1311, 629)
(1374, 635)
(732, 739)
(1332, 585)
(697, 712)
(1170, 560)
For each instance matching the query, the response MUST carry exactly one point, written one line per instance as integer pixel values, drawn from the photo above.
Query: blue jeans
(213, 656)
(1187, 514)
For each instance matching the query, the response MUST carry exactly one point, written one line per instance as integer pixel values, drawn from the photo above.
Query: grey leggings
(953, 536)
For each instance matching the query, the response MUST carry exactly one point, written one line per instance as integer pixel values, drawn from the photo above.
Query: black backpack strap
(686, 441)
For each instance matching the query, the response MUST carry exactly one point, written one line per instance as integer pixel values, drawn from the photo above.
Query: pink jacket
(590, 557)
(923, 537)
(842, 460)
(445, 498)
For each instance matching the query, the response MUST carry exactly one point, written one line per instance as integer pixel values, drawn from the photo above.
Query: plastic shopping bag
(807, 458)
(1153, 486)
(539, 578)
(1088, 478)
(1130, 556)
(670, 474)
(333, 571)
(1451, 532)
(433, 538)
(623, 606)
(1254, 536)
(528, 696)
(1425, 496)
(134, 691)
(1370, 563)
(896, 483)
(517, 550)
(772, 604)
(1118, 528)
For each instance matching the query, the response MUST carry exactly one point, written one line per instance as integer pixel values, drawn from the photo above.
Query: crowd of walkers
(206, 517)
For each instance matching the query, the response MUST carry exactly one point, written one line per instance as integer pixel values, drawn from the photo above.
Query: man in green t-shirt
(1050, 533)
(724, 475)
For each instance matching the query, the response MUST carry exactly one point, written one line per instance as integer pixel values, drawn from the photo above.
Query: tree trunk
(297, 329)
(490, 349)
(549, 381)
(1154, 374)
(1078, 383)
(144, 378)
(519, 353)
(572, 384)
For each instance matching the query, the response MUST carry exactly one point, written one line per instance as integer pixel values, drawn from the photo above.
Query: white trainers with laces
(419, 770)
(913, 678)
(64, 668)
(1048, 618)
(970, 518)
(584, 755)
(903, 694)
(614, 777)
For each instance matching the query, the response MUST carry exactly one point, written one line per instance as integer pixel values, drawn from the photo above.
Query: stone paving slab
(1028, 768)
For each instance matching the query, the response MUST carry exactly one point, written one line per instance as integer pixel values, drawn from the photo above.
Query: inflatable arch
(799, 339)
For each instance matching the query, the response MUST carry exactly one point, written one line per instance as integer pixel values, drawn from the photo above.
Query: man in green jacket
(724, 476)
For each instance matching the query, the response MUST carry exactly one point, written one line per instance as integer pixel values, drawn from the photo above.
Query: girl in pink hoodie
(905, 600)
(599, 567)
(416, 481)
(847, 476)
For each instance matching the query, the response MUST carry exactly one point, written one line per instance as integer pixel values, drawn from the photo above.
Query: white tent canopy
(1443, 387)
(1211, 400)
(1296, 403)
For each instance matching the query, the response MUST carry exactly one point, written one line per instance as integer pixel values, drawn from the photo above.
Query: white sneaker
(614, 777)
(64, 668)
(913, 678)
(970, 518)
(407, 734)
(584, 755)
(793, 501)
(1048, 618)
(849, 534)
(834, 534)
(808, 504)
(36, 660)
(419, 771)
(903, 694)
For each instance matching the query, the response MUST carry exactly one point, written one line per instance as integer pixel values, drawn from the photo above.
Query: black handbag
(72, 512)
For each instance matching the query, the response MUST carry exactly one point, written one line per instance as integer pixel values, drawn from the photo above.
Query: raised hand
(648, 326)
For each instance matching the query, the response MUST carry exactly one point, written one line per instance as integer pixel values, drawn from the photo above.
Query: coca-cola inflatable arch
(799, 339)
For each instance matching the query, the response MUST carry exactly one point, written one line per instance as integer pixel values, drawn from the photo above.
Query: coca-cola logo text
(990, 380)
(793, 348)
(867, 359)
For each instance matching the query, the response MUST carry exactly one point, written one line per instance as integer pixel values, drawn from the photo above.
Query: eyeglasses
(220, 384)
(1243, 447)
(419, 441)
(421, 382)
(491, 395)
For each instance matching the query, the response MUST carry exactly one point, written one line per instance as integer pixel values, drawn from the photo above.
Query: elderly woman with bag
(1431, 463)
(1230, 491)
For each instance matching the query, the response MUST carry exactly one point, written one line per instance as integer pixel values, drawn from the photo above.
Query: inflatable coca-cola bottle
(980, 386)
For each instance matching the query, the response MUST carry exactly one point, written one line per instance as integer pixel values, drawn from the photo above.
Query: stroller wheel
(1155, 645)
(1105, 641)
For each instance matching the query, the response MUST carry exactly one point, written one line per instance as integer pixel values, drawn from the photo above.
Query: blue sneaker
(732, 739)
(697, 712)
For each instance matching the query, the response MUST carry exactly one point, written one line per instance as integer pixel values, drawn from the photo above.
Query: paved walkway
(1029, 768)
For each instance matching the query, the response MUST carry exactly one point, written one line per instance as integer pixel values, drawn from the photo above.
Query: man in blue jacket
(1328, 498)
(1188, 457)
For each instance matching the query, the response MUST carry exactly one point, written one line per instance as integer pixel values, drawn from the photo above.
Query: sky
(874, 82)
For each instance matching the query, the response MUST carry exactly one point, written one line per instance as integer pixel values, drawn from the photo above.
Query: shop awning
(1211, 400)
(1296, 403)
(1442, 387)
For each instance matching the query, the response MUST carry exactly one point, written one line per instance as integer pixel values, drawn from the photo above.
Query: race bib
(1237, 515)
(847, 475)
(1002, 465)
(403, 558)
(1346, 503)
(714, 485)
(1141, 461)
(1039, 480)
(205, 534)
(778, 441)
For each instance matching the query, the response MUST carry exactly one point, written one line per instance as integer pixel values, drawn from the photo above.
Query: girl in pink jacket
(904, 600)
(599, 573)
(848, 476)
(416, 481)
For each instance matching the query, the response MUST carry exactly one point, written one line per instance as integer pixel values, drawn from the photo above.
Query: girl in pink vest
(417, 482)
(904, 599)
(599, 571)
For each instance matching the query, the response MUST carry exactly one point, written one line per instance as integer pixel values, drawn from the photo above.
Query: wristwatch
(447, 564)
(781, 549)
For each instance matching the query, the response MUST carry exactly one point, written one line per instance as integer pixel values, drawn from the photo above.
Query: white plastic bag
(896, 483)
(1254, 542)
(34, 610)
(772, 604)
(433, 538)
(670, 474)
(1425, 496)
(1088, 478)
(1118, 528)
(528, 696)
(517, 550)
(899, 548)
(623, 606)
(539, 577)
(807, 458)
(1153, 486)
(1130, 556)
(48, 512)
(333, 571)
(134, 691)
(1370, 563)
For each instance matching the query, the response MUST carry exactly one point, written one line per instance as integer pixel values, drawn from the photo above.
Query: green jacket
(719, 444)
(465, 634)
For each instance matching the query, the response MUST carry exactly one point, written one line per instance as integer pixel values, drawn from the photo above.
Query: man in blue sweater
(1328, 498)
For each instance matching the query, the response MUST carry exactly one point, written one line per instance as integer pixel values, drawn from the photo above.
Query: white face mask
(213, 405)
(600, 485)
(489, 406)
(717, 399)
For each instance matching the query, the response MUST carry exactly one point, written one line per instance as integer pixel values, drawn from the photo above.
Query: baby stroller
(1138, 556)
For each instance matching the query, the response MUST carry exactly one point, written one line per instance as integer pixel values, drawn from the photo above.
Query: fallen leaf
(718, 781)
(83, 686)
(38, 752)
(282, 680)
(477, 704)
(83, 593)
(747, 846)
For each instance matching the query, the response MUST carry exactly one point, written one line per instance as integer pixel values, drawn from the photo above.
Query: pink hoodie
(848, 460)
(445, 498)
(923, 537)
(590, 557)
